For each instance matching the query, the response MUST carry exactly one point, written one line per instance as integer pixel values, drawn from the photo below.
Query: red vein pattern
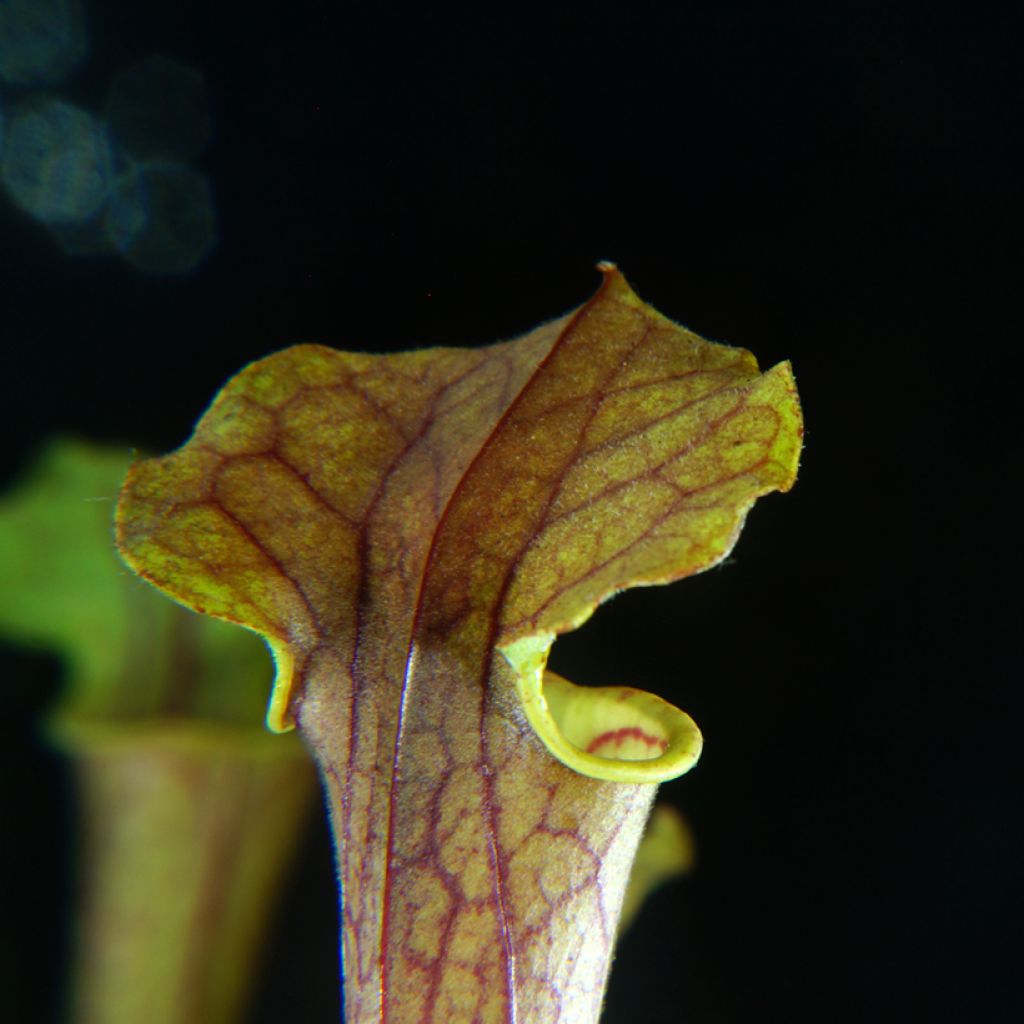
(394, 521)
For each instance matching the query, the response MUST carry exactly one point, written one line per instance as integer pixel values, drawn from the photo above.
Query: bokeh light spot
(158, 109)
(161, 219)
(41, 41)
(57, 162)
(86, 238)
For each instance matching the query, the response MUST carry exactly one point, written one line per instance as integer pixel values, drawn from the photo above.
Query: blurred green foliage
(130, 652)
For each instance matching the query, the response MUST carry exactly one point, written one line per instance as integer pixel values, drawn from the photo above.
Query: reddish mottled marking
(618, 736)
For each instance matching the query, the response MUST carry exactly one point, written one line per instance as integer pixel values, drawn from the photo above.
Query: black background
(837, 185)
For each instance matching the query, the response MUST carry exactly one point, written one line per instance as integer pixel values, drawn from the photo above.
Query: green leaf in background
(130, 653)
